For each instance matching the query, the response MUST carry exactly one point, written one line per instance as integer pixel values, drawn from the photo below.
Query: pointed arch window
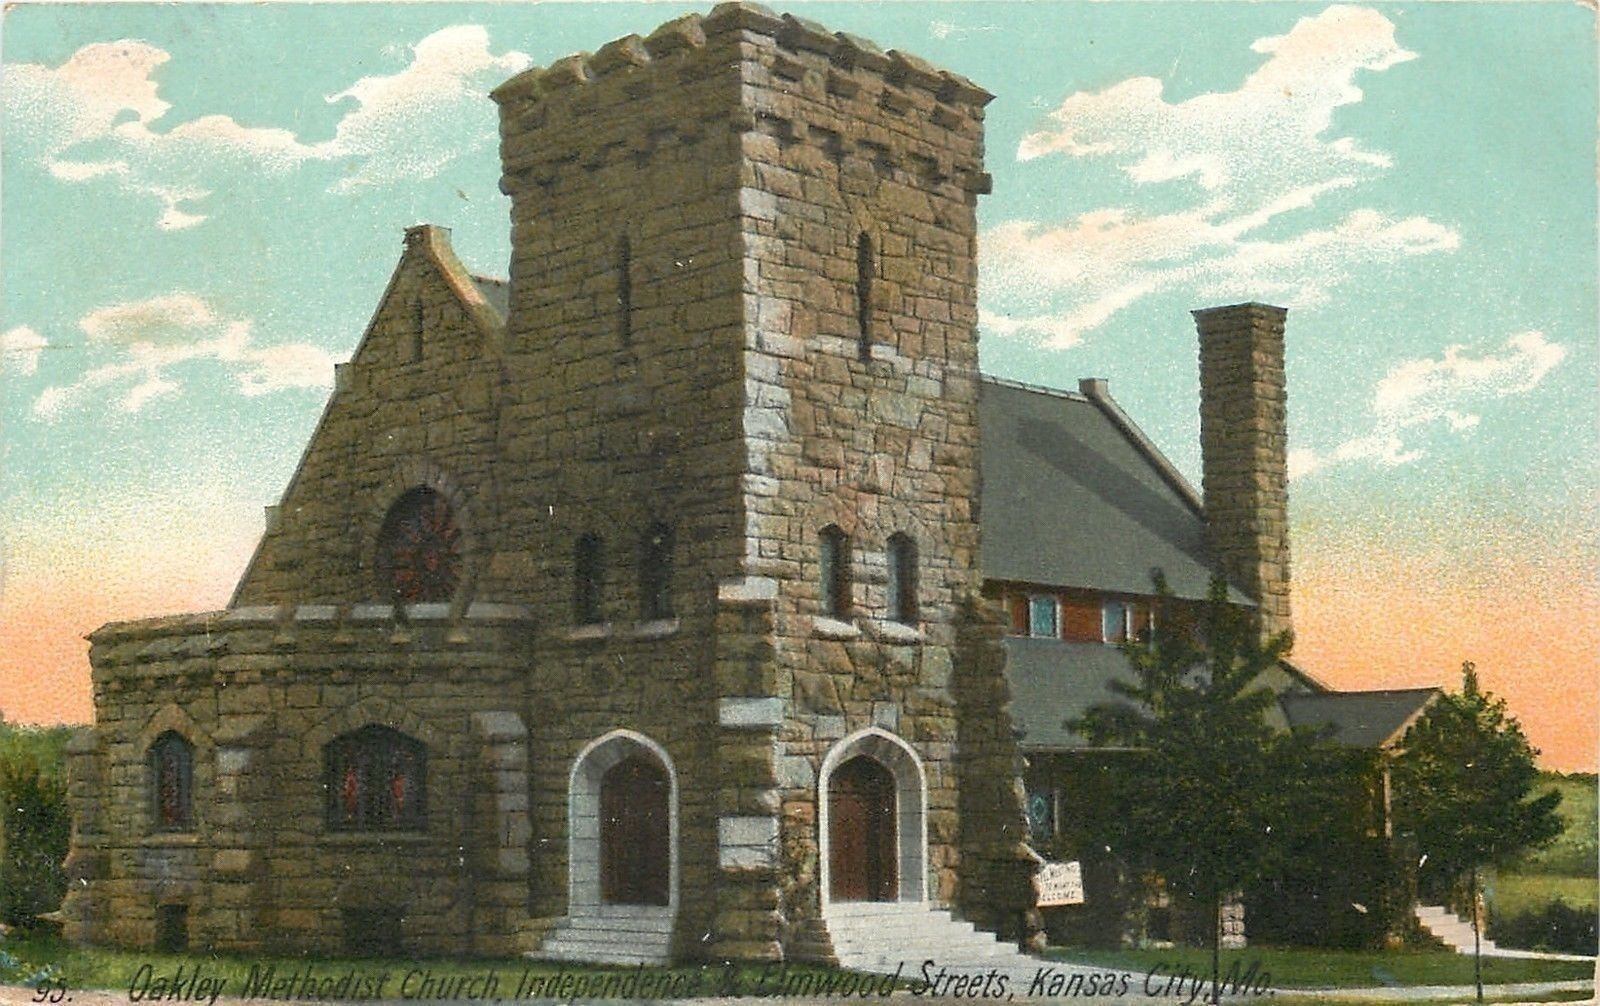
(655, 573)
(588, 579)
(835, 585)
(375, 779)
(902, 579)
(172, 782)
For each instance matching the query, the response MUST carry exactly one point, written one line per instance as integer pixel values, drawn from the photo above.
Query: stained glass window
(375, 781)
(419, 549)
(172, 782)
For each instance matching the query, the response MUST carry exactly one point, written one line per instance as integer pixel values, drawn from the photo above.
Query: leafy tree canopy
(1211, 776)
(1464, 780)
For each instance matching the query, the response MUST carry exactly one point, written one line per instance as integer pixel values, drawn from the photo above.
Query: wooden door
(862, 834)
(635, 853)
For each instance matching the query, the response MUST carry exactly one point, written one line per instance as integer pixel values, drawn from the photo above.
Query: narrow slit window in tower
(625, 290)
(416, 330)
(864, 268)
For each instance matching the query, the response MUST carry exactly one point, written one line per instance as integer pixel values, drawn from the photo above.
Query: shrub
(35, 825)
(1556, 927)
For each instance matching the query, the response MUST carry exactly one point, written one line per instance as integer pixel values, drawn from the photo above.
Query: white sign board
(1059, 884)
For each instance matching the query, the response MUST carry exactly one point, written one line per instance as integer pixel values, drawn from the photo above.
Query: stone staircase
(612, 934)
(1456, 933)
(1451, 930)
(876, 936)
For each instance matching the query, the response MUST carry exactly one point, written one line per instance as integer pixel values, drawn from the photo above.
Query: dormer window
(1122, 621)
(1044, 616)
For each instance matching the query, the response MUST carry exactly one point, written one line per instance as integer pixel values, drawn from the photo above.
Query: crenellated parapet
(890, 109)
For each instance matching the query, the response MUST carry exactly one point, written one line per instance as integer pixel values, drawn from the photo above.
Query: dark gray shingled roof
(497, 292)
(1053, 682)
(1075, 496)
(1359, 719)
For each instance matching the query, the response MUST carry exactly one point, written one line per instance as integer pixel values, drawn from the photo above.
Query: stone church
(633, 609)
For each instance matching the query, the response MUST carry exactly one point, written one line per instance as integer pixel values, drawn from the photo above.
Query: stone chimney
(1244, 452)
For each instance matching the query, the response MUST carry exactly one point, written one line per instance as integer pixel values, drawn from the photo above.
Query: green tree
(1463, 785)
(1208, 776)
(35, 824)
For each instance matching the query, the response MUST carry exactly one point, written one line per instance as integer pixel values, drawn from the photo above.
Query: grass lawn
(1553, 997)
(96, 968)
(1310, 969)
(1574, 852)
(1514, 893)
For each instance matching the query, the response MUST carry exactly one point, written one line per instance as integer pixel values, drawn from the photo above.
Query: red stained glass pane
(419, 549)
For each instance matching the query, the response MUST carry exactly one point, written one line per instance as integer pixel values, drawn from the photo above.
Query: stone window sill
(374, 838)
(833, 628)
(585, 633)
(895, 632)
(659, 628)
(171, 839)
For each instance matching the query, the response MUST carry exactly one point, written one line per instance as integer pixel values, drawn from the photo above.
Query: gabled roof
(497, 292)
(1375, 719)
(1053, 682)
(1074, 495)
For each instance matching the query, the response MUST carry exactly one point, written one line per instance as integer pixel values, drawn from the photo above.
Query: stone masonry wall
(623, 411)
(396, 420)
(683, 348)
(842, 140)
(1244, 445)
(258, 692)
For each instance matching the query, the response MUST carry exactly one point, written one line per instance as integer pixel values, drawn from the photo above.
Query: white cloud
(99, 115)
(19, 350)
(169, 319)
(1231, 163)
(1416, 395)
(151, 342)
(394, 132)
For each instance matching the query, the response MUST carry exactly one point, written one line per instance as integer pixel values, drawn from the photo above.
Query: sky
(200, 205)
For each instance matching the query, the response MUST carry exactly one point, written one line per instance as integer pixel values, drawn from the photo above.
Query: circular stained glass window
(419, 549)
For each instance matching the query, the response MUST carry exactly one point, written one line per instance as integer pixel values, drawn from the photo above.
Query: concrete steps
(1456, 933)
(1450, 929)
(612, 934)
(879, 936)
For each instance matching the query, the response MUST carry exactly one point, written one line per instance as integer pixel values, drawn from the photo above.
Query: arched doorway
(862, 841)
(623, 818)
(872, 834)
(634, 833)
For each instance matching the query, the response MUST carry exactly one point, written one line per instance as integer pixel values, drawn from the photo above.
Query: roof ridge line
(1006, 382)
(1098, 391)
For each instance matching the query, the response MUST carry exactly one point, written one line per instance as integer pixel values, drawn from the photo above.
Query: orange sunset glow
(1365, 618)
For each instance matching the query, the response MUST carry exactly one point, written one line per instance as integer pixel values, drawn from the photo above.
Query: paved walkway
(12, 995)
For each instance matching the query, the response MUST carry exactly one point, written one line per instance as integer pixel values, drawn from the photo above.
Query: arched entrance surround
(910, 824)
(614, 815)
